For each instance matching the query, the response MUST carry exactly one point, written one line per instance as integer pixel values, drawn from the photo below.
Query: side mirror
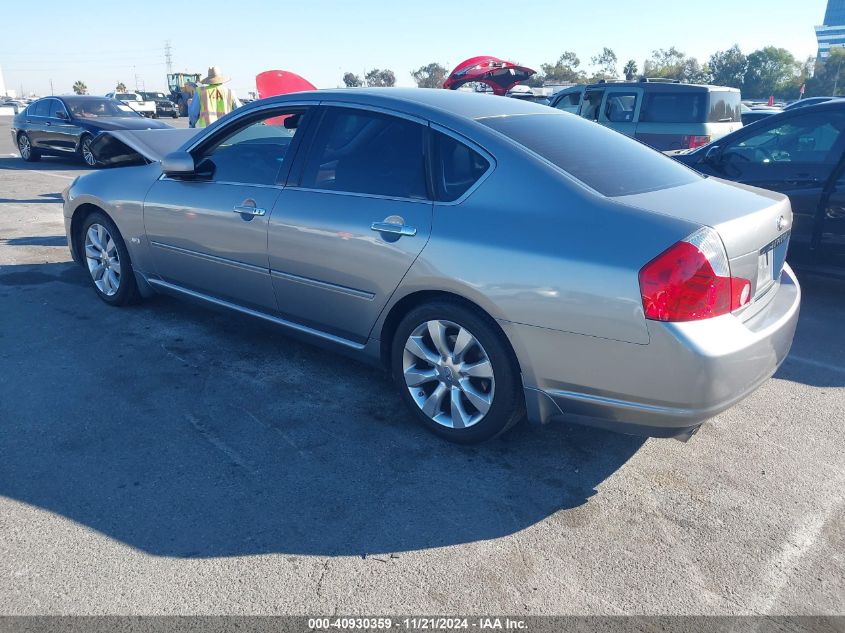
(713, 155)
(61, 114)
(178, 164)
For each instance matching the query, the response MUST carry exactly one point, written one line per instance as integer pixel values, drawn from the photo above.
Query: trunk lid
(754, 225)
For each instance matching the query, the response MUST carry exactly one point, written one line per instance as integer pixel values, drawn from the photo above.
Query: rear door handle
(394, 229)
(248, 209)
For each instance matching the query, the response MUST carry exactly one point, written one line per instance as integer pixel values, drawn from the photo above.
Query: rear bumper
(687, 373)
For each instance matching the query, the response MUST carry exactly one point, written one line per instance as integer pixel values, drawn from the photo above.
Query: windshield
(604, 160)
(153, 95)
(96, 108)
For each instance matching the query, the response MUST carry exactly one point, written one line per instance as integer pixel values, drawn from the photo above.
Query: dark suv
(665, 115)
(164, 106)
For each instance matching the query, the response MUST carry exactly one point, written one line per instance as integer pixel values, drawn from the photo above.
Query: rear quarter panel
(551, 254)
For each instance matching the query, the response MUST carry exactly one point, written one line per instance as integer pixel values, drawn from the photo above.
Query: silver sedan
(502, 259)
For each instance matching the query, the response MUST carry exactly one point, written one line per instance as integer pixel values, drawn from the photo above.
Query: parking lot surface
(171, 459)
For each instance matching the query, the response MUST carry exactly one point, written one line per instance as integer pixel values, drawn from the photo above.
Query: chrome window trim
(491, 161)
(359, 195)
(351, 105)
(212, 258)
(232, 183)
(323, 285)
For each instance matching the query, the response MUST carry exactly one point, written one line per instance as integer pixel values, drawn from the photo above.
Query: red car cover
(500, 75)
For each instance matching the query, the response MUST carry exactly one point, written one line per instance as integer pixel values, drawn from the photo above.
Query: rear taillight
(691, 280)
(694, 141)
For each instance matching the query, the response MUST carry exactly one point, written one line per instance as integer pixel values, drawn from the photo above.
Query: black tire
(127, 291)
(508, 405)
(174, 116)
(84, 151)
(25, 149)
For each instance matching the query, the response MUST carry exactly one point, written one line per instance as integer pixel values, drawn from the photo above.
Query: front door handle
(394, 228)
(249, 209)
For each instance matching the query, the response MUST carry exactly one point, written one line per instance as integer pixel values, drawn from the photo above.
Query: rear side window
(569, 102)
(359, 151)
(456, 167)
(725, 107)
(674, 107)
(604, 160)
(42, 108)
(620, 106)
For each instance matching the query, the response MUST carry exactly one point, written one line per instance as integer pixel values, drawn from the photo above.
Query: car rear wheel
(456, 372)
(107, 260)
(25, 149)
(86, 153)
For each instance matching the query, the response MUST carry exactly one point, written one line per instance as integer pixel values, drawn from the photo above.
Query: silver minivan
(665, 115)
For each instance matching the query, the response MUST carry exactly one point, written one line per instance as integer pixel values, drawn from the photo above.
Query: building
(831, 34)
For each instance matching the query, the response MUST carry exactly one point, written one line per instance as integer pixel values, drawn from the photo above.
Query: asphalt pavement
(171, 459)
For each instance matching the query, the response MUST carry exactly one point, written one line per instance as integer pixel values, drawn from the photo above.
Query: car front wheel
(85, 152)
(107, 260)
(25, 149)
(456, 372)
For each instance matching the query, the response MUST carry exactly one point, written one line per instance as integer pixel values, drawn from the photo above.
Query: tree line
(769, 71)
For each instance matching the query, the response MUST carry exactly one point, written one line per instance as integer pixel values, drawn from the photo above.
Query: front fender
(120, 194)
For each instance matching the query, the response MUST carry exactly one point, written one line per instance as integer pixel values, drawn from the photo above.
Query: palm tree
(80, 88)
(630, 69)
(121, 87)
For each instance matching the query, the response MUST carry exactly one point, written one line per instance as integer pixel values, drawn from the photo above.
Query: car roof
(423, 102)
(663, 86)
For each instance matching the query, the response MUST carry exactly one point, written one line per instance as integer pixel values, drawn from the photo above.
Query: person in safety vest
(211, 100)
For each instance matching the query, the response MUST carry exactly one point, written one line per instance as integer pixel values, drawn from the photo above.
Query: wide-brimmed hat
(215, 76)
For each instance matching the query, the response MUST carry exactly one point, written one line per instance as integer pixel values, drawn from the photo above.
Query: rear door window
(360, 151)
(674, 107)
(457, 167)
(620, 106)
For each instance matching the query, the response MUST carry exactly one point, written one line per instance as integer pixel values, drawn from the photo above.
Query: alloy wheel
(87, 154)
(24, 146)
(102, 259)
(448, 374)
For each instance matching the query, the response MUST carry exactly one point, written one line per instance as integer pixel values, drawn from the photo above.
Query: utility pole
(168, 57)
(51, 86)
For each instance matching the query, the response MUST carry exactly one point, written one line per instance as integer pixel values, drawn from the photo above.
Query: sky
(106, 42)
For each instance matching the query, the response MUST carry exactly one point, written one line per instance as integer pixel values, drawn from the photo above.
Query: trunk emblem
(781, 223)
